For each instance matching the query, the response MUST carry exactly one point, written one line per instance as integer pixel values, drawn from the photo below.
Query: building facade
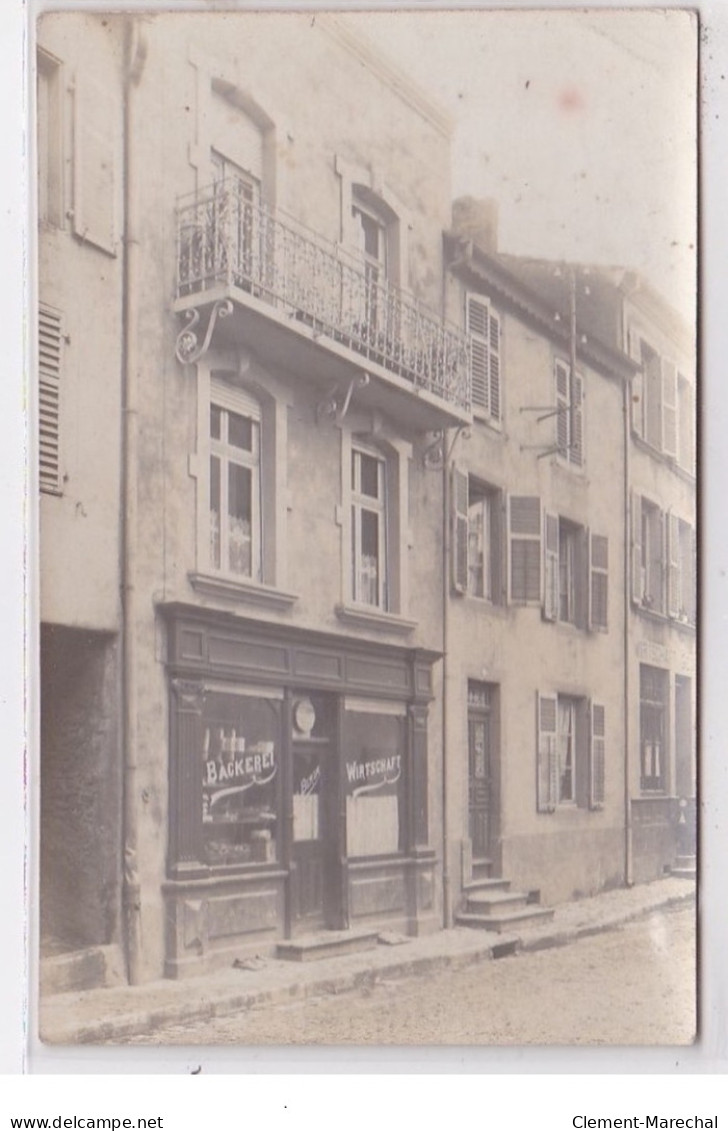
(334, 568)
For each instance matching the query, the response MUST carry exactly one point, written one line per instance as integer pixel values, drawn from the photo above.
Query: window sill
(250, 592)
(365, 617)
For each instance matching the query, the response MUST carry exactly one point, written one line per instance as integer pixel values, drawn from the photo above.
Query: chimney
(476, 219)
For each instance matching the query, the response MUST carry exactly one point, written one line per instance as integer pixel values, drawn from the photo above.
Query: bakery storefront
(298, 787)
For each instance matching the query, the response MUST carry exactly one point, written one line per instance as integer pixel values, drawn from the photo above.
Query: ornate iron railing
(224, 237)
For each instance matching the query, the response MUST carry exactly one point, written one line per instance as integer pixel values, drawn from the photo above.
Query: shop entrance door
(315, 892)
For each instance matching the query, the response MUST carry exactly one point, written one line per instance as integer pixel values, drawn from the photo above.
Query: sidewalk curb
(223, 1003)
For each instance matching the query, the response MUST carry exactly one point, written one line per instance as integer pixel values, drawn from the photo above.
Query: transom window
(369, 528)
(235, 486)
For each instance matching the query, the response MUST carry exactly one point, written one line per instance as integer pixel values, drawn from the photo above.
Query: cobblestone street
(634, 985)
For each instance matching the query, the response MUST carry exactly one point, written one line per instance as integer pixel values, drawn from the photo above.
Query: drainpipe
(628, 856)
(135, 52)
(446, 908)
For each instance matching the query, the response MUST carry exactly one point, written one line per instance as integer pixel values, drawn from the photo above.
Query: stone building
(333, 550)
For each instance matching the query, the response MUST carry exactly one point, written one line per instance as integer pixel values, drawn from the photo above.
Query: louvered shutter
(638, 579)
(637, 406)
(478, 326)
(551, 567)
(459, 490)
(599, 582)
(576, 441)
(495, 366)
(49, 374)
(653, 393)
(597, 756)
(94, 179)
(525, 547)
(547, 770)
(686, 413)
(674, 566)
(669, 409)
(562, 406)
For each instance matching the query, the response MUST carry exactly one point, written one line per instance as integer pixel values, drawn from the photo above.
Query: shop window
(569, 415)
(241, 758)
(477, 540)
(484, 327)
(374, 770)
(570, 738)
(653, 729)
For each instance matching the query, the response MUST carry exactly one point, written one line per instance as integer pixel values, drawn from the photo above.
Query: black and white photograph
(364, 401)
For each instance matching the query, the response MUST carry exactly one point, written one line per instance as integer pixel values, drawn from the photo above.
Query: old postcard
(365, 394)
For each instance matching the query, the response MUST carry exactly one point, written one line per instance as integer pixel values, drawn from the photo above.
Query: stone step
(506, 920)
(92, 968)
(490, 883)
(326, 944)
(494, 902)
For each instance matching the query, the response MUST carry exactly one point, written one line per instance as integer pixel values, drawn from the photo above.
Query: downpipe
(628, 519)
(446, 904)
(135, 54)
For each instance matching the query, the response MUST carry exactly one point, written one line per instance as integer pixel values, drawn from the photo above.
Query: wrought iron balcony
(226, 240)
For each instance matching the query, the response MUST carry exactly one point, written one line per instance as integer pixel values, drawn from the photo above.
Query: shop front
(298, 787)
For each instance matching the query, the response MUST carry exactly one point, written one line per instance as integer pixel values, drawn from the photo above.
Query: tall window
(566, 748)
(50, 164)
(571, 748)
(477, 539)
(369, 528)
(653, 728)
(651, 580)
(235, 525)
(570, 415)
(238, 229)
(372, 240)
(568, 551)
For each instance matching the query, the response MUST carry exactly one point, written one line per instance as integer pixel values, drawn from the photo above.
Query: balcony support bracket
(334, 406)
(437, 455)
(187, 347)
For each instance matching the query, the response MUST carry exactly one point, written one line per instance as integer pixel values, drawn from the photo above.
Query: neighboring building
(334, 590)
(534, 654)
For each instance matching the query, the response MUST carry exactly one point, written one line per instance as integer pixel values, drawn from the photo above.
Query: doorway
(482, 794)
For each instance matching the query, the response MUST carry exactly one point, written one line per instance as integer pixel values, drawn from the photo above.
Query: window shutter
(546, 760)
(495, 366)
(525, 548)
(686, 414)
(638, 393)
(653, 393)
(94, 187)
(638, 581)
(551, 567)
(576, 447)
(459, 548)
(599, 582)
(674, 571)
(562, 405)
(478, 326)
(669, 409)
(49, 374)
(597, 757)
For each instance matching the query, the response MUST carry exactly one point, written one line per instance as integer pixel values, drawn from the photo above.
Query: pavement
(118, 1014)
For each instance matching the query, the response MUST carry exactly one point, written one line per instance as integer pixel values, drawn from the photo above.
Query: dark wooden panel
(318, 665)
(244, 655)
(256, 910)
(371, 895)
(377, 674)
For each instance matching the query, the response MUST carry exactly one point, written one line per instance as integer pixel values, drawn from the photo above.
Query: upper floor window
(234, 476)
(49, 152)
(477, 539)
(569, 414)
(484, 327)
(663, 561)
(369, 529)
(663, 405)
(373, 226)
